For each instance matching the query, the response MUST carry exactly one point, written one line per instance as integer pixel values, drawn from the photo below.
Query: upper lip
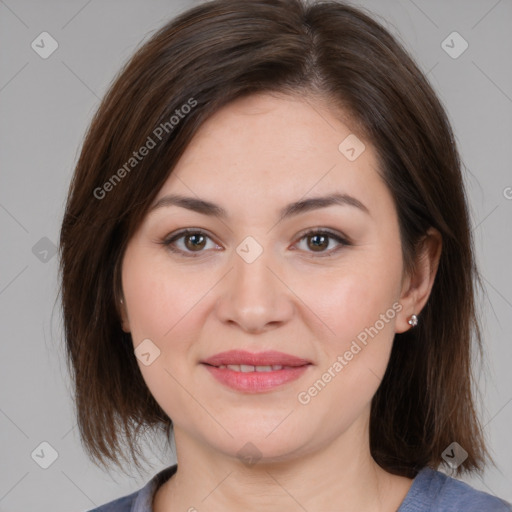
(267, 358)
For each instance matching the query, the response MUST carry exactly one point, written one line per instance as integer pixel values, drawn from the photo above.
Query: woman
(270, 231)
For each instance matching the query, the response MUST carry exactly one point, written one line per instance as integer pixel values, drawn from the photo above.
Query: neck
(340, 476)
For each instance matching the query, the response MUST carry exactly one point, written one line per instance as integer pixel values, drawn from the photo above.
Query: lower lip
(256, 382)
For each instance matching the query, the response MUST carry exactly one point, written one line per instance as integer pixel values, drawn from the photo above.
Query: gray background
(46, 106)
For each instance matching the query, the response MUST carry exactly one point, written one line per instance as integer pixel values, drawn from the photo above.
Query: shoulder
(124, 504)
(432, 490)
(141, 500)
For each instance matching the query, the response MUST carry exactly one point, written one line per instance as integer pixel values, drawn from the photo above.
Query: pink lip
(255, 382)
(259, 359)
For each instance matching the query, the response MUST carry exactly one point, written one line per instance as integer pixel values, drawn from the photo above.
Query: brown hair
(205, 58)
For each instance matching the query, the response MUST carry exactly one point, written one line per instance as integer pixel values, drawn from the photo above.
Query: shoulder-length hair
(197, 63)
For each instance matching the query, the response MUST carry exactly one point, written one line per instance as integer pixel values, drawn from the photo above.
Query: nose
(254, 296)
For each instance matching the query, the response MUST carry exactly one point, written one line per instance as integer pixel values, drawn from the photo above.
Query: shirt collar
(144, 499)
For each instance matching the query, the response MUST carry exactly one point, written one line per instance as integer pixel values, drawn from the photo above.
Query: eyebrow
(208, 208)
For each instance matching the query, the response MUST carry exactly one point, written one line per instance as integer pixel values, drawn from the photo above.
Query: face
(322, 283)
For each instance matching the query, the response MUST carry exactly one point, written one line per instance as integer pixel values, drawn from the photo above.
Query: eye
(194, 241)
(320, 240)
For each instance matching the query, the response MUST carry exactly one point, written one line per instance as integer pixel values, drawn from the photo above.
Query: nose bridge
(253, 296)
(252, 275)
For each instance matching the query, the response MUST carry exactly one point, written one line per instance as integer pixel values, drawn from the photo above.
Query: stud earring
(413, 321)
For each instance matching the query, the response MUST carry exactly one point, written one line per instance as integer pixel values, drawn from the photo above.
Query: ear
(125, 324)
(416, 287)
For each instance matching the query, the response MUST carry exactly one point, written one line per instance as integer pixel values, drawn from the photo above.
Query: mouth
(246, 368)
(255, 372)
(261, 360)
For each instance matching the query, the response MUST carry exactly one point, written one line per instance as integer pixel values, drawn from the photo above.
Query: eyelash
(167, 242)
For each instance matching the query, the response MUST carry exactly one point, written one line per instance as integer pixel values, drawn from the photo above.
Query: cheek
(165, 306)
(355, 299)
(163, 309)
(157, 301)
(360, 312)
(359, 306)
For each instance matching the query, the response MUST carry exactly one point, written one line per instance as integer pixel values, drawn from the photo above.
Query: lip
(255, 382)
(266, 358)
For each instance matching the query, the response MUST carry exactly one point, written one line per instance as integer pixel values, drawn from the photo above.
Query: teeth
(263, 368)
(246, 368)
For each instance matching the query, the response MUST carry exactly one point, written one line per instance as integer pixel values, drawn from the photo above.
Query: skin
(253, 157)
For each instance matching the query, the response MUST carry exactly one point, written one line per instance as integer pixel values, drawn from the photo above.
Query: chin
(259, 443)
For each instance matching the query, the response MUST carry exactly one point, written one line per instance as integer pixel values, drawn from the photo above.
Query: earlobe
(418, 286)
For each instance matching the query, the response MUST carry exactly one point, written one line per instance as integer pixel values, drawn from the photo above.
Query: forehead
(271, 129)
(282, 147)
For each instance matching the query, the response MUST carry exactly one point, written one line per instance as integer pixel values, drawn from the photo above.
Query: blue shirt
(431, 491)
